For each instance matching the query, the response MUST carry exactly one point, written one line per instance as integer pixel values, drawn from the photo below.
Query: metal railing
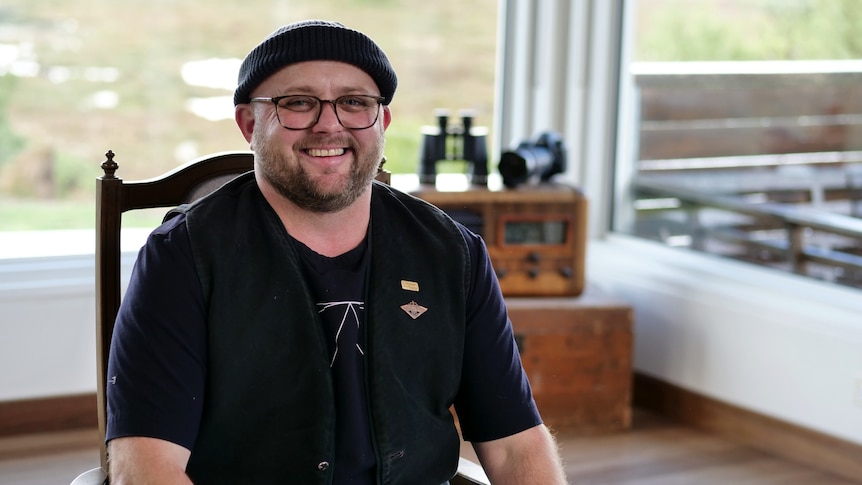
(801, 239)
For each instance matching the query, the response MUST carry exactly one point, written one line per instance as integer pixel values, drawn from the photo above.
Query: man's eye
(354, 103)
(298, 104)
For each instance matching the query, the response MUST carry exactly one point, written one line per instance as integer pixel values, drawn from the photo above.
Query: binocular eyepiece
(542, 159)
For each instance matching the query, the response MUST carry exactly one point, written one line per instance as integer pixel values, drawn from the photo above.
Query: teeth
(332, 152)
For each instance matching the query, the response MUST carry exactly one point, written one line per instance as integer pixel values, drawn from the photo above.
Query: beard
(293, 182)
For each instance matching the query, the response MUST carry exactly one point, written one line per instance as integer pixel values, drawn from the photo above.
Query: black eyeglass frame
(320, 102)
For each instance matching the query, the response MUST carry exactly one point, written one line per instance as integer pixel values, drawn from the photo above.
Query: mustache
(313, 141)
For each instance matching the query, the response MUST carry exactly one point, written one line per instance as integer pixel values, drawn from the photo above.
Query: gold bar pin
(409, 285)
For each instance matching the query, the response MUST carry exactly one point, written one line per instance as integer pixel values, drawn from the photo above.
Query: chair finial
(109, 165)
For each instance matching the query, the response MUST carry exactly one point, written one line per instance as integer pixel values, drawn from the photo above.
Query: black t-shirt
(157, 365)
(337, 285)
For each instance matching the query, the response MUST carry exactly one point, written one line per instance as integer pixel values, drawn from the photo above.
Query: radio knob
(567, 272)
(534, 257)
(533, 273)
(501, 273)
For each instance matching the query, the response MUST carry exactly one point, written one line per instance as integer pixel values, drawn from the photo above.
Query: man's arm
(526, 458)
(145, 461)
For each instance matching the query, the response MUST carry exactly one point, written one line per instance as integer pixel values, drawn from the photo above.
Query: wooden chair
(114, 197)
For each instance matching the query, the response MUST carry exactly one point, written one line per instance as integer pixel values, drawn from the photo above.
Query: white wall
(774, 343)
(47, 312)
(47, 337)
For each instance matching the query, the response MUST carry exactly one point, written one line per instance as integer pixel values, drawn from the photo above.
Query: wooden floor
(656, 452)
(49, 459)
(653, 452)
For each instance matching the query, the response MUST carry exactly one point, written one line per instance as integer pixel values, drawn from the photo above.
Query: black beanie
(314, 40)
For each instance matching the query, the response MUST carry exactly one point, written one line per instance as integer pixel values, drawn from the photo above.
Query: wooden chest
(577, 353)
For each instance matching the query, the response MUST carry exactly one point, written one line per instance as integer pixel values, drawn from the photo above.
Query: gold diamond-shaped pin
(414, 309)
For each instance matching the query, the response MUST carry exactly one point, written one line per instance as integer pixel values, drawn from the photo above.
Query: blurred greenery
(10, 142)
(54, 127)
(17, 214)
(748, 30)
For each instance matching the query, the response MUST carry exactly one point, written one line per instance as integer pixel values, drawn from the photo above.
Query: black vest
(268, 411)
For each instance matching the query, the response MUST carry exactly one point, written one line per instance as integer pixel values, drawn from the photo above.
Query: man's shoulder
(224, 199)
(236, 187)
(380, 189)
(395, 197)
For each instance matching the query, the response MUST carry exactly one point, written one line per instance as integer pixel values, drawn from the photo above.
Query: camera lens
(543, 158)
(517, 166)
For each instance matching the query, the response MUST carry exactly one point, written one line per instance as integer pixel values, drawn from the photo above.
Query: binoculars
(446, 142)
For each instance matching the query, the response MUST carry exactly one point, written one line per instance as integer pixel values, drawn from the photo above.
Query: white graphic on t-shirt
(349, 317)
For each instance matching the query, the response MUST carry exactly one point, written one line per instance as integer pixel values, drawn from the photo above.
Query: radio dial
(533, 273)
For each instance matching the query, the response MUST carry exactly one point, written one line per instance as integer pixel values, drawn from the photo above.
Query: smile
(326, 152)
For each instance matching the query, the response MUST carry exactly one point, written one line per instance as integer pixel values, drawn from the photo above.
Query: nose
(327, 119)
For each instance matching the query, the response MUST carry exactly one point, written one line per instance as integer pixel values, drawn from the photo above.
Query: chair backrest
(114, 197)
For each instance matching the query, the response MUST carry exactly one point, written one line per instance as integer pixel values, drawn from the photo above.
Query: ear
(387, 117)
(244, 116)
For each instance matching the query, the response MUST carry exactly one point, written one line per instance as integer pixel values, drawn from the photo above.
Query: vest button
(323, 466)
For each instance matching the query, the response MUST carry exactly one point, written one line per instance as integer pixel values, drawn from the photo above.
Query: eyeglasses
(300, 112)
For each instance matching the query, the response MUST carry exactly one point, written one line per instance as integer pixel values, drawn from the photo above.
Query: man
(305, 324)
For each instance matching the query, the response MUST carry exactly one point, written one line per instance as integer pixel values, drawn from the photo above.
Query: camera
(542, 159)
(453, 142)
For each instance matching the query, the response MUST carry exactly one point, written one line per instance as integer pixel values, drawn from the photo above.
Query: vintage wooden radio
(536, 235)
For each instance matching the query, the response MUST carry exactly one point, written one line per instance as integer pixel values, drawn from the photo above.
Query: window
(749, 132)
(152, 81)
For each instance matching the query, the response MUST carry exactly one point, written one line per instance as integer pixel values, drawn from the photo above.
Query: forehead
(318, 77)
